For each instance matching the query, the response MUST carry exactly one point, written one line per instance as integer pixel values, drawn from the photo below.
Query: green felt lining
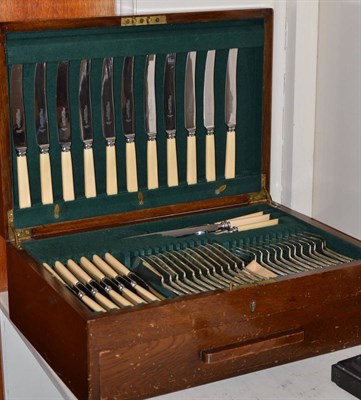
(73, 45)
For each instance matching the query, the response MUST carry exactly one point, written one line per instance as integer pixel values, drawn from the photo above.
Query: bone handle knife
(210, 158)
(89, 173)
(45, 179)
(230, 162)
(23, 182)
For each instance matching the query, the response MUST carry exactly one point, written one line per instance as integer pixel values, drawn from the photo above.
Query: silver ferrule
(107, 288)
(171, 135)
(80, 294)
(191, 132)
(231, 128)
(110, 142)
(226, 225)
(130, 138)
(88, 145)
(210, 131)
(21, 152)
(65, 147)
(44, 149)
(93, 290)
(151, 136)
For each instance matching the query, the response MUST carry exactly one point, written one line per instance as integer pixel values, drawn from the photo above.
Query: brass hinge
(262, 196)
(144, 20)
(17, 235)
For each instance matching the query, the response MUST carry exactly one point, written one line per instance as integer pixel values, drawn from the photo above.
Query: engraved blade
(40, 108)
(169, 93)
(149, 96)
(17, 108)
(107, 101)
(127, 99)
(62, 105)
(231, 89)
(85, 108)
(208, 91)
(190, 92)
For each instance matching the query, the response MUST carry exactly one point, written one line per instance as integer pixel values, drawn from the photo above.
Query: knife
(230, 114)
(108, 125)
(86, 129)
(64, 129)
(151, 122)
(169, 100)
(190, 117)
(19, 134)
(128, 114)
(42, 133)
(208, 116)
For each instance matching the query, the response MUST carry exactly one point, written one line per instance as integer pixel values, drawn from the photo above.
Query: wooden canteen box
(303, 297)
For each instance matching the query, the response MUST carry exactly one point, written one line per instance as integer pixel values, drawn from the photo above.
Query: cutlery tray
(217, 300)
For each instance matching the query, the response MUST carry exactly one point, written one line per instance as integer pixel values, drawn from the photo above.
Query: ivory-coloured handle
(191, 160)
(172, 163)
(103, 266)
(67, 176)
(116, 264)
(131, 167)
(152, 164)
(53, 273)
(258, 269)
(91, 269)
(210, 159)
(119, 299)
(78, 272)
(23, 182)
(135, 299)
(69, 278)
(146, 294)
(256, 214)
(45, 179)
(89, 174)
(252, 220)
(92, 304)
(258, 225)
(111, 161)
(104, 302)
(230, 162)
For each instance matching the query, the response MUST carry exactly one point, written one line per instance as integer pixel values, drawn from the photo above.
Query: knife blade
(19, 134)
(190, 117)
(208, 116)
(42, 133)
(151, 121)
(128, 119)
(108, 125)
(86, 128)
(64, 129)
(230, 114)
(169, 105)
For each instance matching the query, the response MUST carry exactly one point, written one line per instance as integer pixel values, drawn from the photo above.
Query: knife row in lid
(128, 122)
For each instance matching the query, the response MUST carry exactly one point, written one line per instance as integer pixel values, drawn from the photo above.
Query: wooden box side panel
(51, 325)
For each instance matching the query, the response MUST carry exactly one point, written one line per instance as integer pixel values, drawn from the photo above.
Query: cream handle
(111, 161)
(116, 264)
(264, 224)
(89, 173)
(45, 179)
(91, 269)
(256, 214)
(191, 160)
(65, 274)
(258, 269)
(23, 182)
(78, 272)
(135, 299)
(67, 176)
(146, 294)
(103, 266)
(210, 158)
(252, 220)
(172, 163)
(104, 302)
(230, 162)
(53, 273)
(152, 164)
(92, 304)
(119, 299)
(131, 167)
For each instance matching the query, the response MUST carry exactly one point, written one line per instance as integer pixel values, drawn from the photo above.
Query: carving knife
(108, 125)
(190, 117)
(86, 128)
(208, 116)
(151, 122)
(128, 114)
(169, 100)
(42, 133)
(230, 114)
(64, 129)
(19, 134)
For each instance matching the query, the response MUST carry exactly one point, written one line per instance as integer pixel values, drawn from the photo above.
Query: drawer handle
(254, 346)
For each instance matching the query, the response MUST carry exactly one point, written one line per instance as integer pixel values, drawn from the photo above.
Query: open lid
(250, 31)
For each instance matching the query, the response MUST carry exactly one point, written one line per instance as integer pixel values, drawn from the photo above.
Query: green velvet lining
(52, 46)
(126, 244)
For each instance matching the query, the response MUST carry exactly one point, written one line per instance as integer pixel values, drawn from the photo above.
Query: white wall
(337, 171)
